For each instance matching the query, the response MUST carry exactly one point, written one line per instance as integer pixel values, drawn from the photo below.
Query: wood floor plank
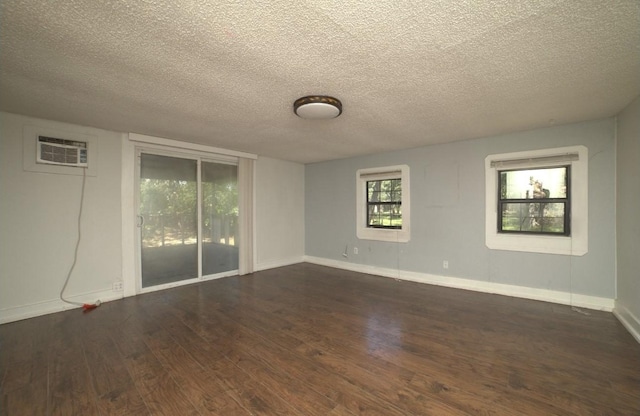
(250, 393)
(202, 388)
(383, 379)
(311, 340)
(114, 386)
(24, 355)
(293, 391)
(32, 398)
(122, 401)
(246, 391)
(518, 361)
(330, 384)
(70, 386)
(159, 391)
(107, 368)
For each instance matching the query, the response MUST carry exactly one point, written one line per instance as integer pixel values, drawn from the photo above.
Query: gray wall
(628, 210)
(38, 223)
(448, 213)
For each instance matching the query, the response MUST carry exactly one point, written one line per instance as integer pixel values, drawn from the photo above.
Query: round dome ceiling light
(317, 107)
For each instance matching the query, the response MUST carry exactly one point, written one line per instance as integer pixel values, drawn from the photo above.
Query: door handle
(140, 221)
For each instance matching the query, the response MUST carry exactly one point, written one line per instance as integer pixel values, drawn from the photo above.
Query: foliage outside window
(169, 197)
(168, 207)
(534, 201)
(220, 203)
(384, 203)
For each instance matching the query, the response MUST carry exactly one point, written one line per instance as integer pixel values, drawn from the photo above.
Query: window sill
(535, 244)
(381, 234)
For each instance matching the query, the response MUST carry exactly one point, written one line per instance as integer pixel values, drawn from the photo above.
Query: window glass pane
(373, 191)
(533, 217)
(534, 183)
(553, 218)
(396, 188)
(168, 196)
(387, 191)
(373, 217)
(397, 194)
(515, 217)
(385, 194)
(219, 218)
(385, 215)
(396, 216)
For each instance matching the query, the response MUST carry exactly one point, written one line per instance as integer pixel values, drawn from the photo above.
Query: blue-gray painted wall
(448, 213)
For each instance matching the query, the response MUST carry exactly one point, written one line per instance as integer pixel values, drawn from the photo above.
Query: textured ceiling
(409, 73)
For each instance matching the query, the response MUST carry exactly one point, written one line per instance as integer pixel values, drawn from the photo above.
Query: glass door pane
(168, 206)
(219, 218)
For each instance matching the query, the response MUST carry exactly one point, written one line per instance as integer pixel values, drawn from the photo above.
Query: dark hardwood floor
(311, 340)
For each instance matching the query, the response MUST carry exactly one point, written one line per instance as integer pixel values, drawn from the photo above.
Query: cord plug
(90, 306)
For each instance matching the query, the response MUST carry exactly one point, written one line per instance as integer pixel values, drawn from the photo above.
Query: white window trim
(402, 235)
(180, 146)
(577, 244)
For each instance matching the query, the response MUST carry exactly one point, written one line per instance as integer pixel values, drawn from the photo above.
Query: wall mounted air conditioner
(63, 152)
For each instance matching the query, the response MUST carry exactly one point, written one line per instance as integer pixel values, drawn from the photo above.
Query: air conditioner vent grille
(62, 151)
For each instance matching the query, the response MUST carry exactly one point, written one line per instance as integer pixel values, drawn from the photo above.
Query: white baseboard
(21, 312)
(628, 319)
(18, 313)
(272, 264)
(564, 298)
(583, 301)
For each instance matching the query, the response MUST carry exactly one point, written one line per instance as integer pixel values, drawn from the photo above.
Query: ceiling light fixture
(317, 107)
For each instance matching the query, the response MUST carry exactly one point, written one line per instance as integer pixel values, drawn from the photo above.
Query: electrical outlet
(118, 286)
(355, 250)
(445, 264)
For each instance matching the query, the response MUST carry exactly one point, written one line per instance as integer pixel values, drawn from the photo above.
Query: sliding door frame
(132, 147)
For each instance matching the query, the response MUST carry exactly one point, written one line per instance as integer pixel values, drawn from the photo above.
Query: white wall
(448, 220)
(628, 217)
(279, 213)
(38, 224)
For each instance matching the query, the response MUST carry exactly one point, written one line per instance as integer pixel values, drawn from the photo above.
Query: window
(384, 203)
(383, 208)
(537, 201)
(534, 201)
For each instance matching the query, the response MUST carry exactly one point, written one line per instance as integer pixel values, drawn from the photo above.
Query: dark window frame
(391, 203)
(502, 201)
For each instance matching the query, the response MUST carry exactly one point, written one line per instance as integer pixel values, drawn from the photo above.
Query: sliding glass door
(188, 219)
(219, 218)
